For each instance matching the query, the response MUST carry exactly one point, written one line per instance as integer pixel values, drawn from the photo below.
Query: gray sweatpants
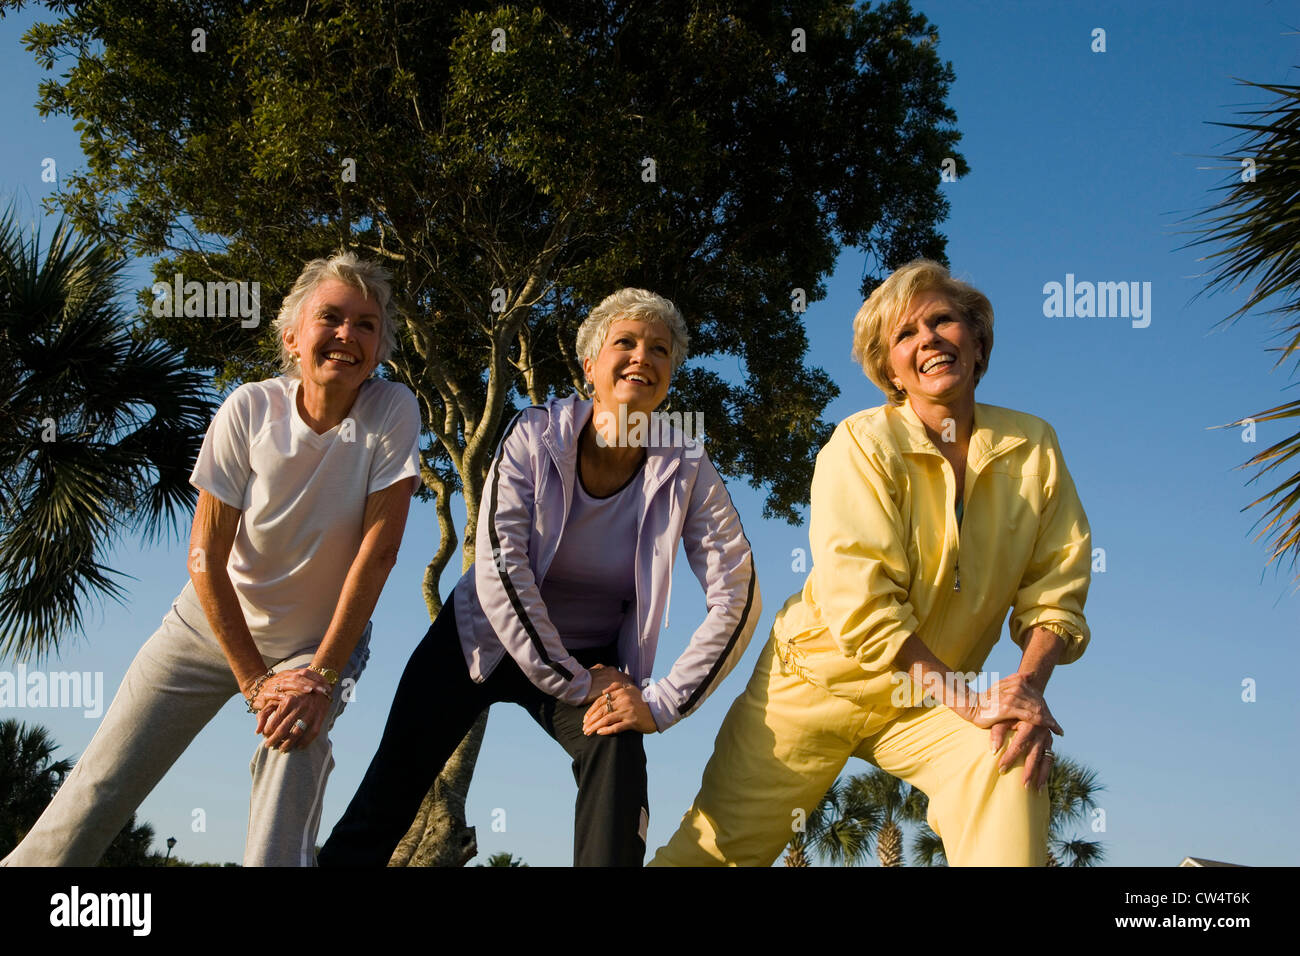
(176, 684)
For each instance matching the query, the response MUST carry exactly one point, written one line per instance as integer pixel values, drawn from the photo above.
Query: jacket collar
(994, 433)
(567, 418)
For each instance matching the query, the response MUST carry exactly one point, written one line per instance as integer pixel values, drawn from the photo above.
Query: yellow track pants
(786, 739)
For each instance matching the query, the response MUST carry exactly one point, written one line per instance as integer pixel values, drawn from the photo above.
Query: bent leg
(985, 818)
(435, 705)
(289, 788)
(176, 684)
(611, 813)
(781, 746)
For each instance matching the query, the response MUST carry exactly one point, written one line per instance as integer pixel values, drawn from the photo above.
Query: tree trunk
(795, 855)
(889, 845)
(439, 836)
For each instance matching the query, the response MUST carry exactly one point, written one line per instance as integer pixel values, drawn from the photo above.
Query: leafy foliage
(1257, 236)
(98, 433)
(874, 805)
(897, 802)
(520, 169)
(503, 859)
(29, 778)
(1072, 789)
(840, 829)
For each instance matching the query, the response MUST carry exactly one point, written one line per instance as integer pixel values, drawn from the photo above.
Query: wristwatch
(331, 676)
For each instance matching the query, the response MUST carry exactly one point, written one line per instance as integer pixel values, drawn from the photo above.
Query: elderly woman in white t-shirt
(305, 481)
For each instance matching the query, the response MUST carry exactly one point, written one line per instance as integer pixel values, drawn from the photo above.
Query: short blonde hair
(887, 306)
(632, 304)
(366, 276)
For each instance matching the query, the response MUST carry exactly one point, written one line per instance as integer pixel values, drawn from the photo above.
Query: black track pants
(435, 705)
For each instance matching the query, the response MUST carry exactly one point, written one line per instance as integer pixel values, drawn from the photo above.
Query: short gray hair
(632, 304)
(366, 276)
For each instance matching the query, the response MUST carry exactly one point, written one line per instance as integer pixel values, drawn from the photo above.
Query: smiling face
(633, 366)
(337, 337)
(933, 351)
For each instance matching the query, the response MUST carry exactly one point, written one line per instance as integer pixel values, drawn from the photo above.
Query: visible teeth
(636, 378)
(341, 357)
(931, 363)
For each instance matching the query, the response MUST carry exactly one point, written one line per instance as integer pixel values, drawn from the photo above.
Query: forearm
(361, 589)
(216, 593)
(1043, 649)
(930, 673)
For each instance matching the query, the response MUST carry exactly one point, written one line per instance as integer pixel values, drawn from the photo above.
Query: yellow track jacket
(889, 559)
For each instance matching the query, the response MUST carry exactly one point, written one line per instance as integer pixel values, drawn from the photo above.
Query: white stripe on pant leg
(308, 848)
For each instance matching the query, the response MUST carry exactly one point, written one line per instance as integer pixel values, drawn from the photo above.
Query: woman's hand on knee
(605, 678)
(1012, 698)
(296, 713)
(1031, 741)
(621, 707)
(278, 688)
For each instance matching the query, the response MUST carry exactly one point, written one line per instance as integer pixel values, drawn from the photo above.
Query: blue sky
(1082, 163)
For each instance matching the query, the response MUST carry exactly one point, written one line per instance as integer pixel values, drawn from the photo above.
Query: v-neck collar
(298, 424)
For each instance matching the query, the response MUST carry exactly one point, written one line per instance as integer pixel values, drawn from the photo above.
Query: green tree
(98, 431)
(1072, 789)
(840, 829)
(1256, 236)
(875, 804)
(512, 167)
(927, 848)
(132, 847)
(896, 802)
(503, 859)
(29, 778)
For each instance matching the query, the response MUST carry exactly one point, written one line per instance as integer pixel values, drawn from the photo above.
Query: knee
(625, 748)
(619, 758)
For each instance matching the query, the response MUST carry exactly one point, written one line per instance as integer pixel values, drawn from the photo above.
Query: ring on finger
(299, 725)
(609, 707)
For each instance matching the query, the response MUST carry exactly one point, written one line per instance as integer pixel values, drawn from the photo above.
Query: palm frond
(97, 436)
(1254, 232)
(927, 848)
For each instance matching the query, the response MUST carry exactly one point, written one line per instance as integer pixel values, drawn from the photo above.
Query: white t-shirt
(302, 498)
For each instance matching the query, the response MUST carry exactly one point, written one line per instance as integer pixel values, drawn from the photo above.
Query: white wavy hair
(632, 304)
(366, 276)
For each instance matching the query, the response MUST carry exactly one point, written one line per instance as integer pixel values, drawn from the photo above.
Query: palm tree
(132, 847)
(896, 802)
(29, 778)
(1258, 235)
(504, 859)
(841, 829)
(927, 848)
(98, 432)
(1072, 790)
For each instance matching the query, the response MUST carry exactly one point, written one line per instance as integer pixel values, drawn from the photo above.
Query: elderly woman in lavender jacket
(583, 508)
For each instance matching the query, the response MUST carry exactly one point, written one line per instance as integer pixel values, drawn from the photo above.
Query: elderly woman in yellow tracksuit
(931, 516)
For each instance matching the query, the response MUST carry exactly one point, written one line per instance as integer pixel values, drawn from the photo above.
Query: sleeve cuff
(1075, 642)
(665, 714)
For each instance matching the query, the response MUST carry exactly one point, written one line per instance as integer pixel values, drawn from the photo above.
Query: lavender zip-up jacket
(525, 505)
